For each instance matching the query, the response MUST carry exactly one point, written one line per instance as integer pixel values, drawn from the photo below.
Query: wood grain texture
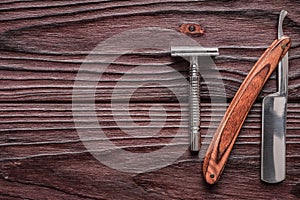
(42, 46)
(40, 127)
(31, 50)
(40, 149)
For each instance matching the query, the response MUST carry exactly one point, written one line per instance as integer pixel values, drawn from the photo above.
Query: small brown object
(227, 132)
(191, 28)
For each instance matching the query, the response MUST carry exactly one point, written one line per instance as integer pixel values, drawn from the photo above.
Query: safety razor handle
(231, 124)
(194, 104)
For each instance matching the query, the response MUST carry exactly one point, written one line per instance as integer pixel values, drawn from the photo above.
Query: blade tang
(283, 64)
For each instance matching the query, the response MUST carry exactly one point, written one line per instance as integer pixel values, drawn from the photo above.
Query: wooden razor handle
(227, 132)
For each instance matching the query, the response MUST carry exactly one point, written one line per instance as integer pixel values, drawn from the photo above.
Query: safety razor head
(186, 51)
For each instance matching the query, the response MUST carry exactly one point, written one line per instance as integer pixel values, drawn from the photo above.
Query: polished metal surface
(274, 112)
(194, 51)
(283, 66)
(194, 89)
(194, 100)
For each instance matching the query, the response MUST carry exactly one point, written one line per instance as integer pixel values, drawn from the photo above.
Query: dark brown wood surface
(42, 45)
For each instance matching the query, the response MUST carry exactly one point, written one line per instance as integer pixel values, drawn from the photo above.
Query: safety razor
(193, 54)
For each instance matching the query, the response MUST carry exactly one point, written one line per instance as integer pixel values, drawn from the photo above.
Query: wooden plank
(37, 129)
(20, 81)
(60, 175)
(72, 12)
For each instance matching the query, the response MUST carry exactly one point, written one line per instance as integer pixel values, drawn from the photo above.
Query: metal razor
(274, 110)
(193, 54)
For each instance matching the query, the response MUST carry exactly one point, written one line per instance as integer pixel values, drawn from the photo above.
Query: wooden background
(42, 45)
